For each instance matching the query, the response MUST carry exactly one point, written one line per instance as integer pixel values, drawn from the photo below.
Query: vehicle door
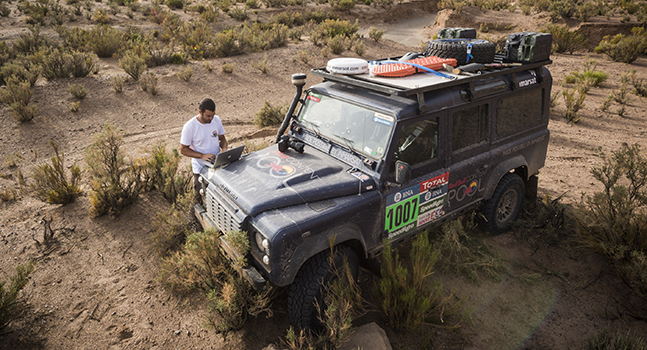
(421, 201)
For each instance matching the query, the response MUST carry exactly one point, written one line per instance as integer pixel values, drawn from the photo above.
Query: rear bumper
(249, 273)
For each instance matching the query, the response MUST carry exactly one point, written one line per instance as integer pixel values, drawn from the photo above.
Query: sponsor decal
(214, 133)
(362, 177)
(416, 206)
(314, 97)
(523, 145)
(383, 119)
(281, 165)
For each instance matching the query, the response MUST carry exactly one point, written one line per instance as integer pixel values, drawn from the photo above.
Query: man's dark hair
(207, 104)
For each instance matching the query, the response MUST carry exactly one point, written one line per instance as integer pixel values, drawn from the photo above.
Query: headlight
(261, 242)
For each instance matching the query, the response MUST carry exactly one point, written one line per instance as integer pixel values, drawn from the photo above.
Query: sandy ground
(96, 288)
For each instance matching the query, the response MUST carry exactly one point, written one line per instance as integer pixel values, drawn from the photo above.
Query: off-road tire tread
(482, 52)
(490, 206)
(307, 286)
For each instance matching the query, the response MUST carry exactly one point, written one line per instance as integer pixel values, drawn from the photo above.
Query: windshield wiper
(349, 143)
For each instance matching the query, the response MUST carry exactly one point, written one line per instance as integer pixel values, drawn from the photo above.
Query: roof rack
(418, 84)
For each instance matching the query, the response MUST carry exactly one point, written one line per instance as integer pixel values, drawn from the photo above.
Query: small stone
(188, 333)
(176, 332)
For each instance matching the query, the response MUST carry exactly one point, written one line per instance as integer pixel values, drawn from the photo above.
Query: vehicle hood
(268, 179)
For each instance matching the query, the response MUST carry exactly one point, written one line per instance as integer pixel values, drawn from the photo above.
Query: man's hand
(208, 157)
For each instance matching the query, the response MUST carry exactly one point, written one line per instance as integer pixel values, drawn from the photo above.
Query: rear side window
(519, 111)
(469, 127)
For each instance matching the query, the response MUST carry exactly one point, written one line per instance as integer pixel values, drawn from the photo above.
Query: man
(203, 137)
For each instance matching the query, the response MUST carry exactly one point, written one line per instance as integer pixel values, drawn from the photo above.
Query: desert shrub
(209, 15)
(303, 56)
(178, 58)
(640, 87)
(408, 296)
(332, 28)
(21, 70)
(289, 18)
(336, 44)
(185, 73)
(270, 115)
(359, 48)
(621, 48)
(562, 9)
(547, 218)
(105, 40)
(77, 90)
(586, 11)
(604, 340)
(228, 67)
(573, 104)
(201, 265)
(17, 95)
(175, 4)
(133, 65)
(565, 40)
(614, 221)
(149, 83)
(114, 182)
(197, 40)
(117, 84)
(82, 63)
(319, 16)
(342, 5)
(100, 16)
(10, 306)
(238, 14)
(274, 3)
(261, 65)
(7, 195)
(56, 64)
(456, 5)
(171, 227)
(587, 79)
(52, 183)
(464, 252)
(295, 34)
(252, 4)
(375, 34)
(30, 43)
(74, 106)
(166, 175)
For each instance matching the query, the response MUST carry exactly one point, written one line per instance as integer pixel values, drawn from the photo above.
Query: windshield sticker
(346, 157)
(416, 206)
(383, 119)
(314, 97)
(379, 151)
(368, 150)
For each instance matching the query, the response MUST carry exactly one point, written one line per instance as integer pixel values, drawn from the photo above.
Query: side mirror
(402, 172)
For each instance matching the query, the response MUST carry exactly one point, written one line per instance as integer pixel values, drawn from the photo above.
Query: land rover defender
(369, 158)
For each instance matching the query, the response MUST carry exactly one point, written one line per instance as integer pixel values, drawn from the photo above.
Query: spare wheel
(482, 51)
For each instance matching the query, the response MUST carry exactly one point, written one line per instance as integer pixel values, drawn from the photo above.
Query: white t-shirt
(202, 138)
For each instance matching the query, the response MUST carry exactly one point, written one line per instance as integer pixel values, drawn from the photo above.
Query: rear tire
(505, 205)
(308, 289)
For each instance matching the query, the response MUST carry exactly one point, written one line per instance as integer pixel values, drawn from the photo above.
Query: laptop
(225, 157)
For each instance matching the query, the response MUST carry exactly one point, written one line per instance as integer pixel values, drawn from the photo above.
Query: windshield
(362, 130)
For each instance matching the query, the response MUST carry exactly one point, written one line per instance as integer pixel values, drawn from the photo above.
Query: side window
(417, 142)
(469, 127)
(516, 112)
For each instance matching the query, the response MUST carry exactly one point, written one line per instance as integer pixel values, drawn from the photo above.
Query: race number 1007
(401, 214)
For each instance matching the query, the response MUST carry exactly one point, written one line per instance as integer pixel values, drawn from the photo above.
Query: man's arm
(223, 142)
(187, 151)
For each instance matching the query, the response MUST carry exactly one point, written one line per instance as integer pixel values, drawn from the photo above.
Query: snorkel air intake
(299, 80)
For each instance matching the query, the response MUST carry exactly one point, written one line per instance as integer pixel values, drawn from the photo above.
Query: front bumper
(249, 273)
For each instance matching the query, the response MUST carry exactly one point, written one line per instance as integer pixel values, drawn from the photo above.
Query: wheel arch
(345, 235)
(517, 165)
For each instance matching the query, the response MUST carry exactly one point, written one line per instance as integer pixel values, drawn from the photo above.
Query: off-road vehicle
(367, 159)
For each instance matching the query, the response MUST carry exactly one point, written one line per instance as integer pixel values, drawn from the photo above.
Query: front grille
(223, 212)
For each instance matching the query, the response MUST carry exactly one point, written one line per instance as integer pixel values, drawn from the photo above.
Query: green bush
(117, 84)
(166, 175)
(270, 115)
(175, 4)
(573, 104)
(614, 221)
(31, 43)
(238, 14)
(114, 182)
(289, 18)
(640, 87)
(375, 34)
(228, 67)
(10, 307)
(133, 65)
(171, 227)
(105, 40)
(342, 5)
(185, 73)
(149, 83)
(52, 184)
(22, 70)
(359, 48)
(82, 63)
(262, 65)
(336, 44)
(77, 90)
(408, 296)
(201, 265)
(621, 48)
(565, 40)
(562, 9)
(17, 95)
(587, 79)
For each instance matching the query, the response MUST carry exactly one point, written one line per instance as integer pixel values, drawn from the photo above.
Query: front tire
(308, 289)
(505, 205)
